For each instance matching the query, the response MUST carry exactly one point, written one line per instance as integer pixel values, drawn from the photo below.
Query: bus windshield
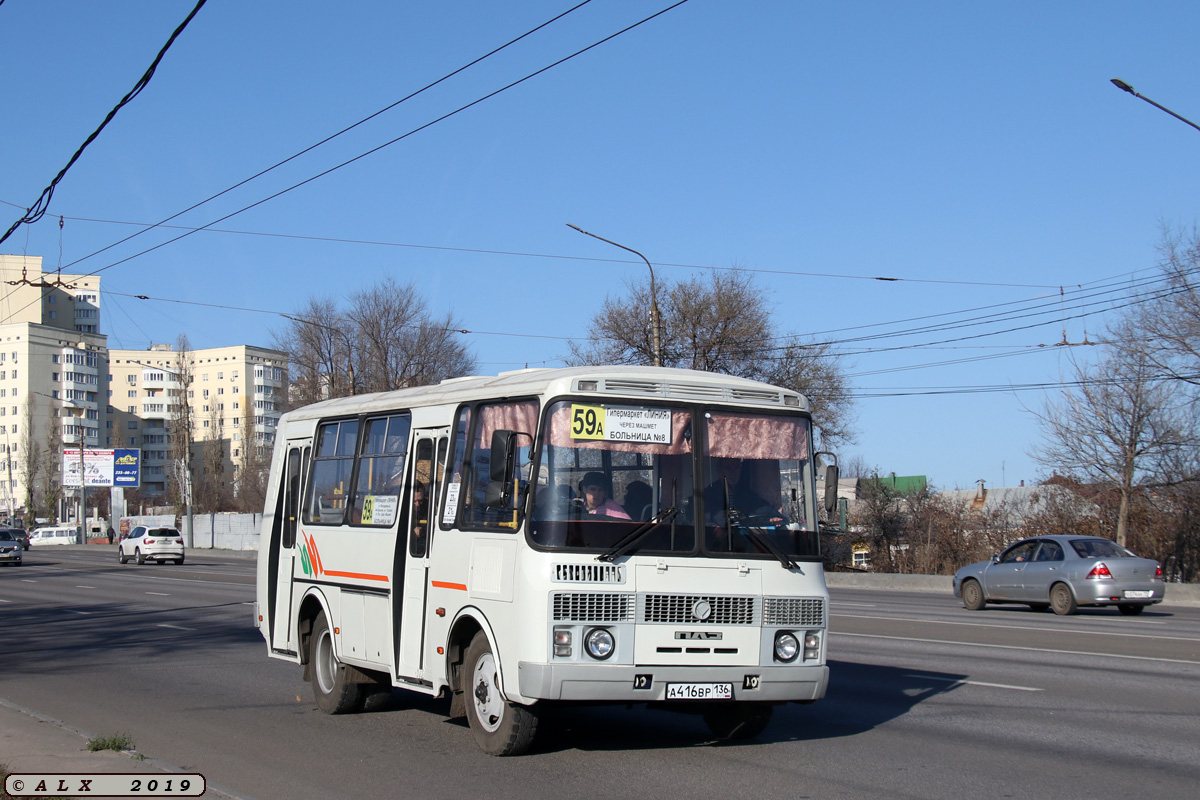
(621, 478)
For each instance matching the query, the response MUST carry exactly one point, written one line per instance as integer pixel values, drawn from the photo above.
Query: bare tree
(721, 323)
(253, 470)
(212, 490)
(386, 339)
(1117, 425)
(1168, 325)
(28, 454)
(399, 343)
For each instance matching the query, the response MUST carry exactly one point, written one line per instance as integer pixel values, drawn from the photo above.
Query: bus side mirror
(504, 447)
(500, 468)
(831, 489)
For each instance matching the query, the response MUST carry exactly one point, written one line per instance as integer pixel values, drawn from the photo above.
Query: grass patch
(118, 742)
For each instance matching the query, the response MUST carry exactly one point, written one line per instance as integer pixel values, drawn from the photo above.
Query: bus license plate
(1139, 593)
(699, 691)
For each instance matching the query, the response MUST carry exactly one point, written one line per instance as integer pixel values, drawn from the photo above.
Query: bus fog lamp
(562, 642)
(786, 646)
(599, 643)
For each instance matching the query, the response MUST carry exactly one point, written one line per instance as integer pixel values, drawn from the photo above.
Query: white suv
(151, 544)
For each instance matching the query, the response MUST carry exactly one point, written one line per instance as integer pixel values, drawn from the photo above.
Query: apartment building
(230, 394)
(58, 380)
(52, 381)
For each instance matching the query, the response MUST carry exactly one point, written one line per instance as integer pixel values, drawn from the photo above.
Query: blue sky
(975, 151)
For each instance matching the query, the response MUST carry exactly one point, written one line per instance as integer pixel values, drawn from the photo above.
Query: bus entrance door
(427, 467)
(283, 546)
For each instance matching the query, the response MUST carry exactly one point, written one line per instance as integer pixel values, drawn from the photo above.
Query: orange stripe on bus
(462, 587)
(358, 575)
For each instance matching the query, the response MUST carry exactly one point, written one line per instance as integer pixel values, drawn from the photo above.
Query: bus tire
(738, 720)
(500, 728)
(334, 692)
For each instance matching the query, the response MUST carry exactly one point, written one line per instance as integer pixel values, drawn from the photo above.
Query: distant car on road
(20, 535)
(151, 544)
(1063, 573)
(10, 549)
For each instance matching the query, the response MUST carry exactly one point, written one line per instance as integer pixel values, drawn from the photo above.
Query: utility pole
(655, 337)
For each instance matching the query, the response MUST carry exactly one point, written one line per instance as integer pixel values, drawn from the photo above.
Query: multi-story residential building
(58, 379)
(52, 381)
(231, 394)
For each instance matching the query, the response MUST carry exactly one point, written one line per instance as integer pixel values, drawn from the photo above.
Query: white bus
(619, 534)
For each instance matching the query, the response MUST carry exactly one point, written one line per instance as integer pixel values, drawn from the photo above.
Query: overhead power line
(330, 138)
(39, 208)
(397, 139)
(148, 226)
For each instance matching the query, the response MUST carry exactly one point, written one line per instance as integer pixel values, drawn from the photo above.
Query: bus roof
(626, 382)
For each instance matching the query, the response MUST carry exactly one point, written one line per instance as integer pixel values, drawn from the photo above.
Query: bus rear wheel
(334, 692)
(500, 728)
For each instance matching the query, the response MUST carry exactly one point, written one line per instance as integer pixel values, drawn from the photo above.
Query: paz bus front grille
(803, 611)
(691, 609)
(593, 607)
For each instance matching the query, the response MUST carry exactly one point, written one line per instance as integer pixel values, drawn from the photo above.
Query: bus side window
(519, 416)
(332, 465)
(422, 498)
(291, 498)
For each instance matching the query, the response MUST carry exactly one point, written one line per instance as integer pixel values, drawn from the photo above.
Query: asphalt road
(926, 700)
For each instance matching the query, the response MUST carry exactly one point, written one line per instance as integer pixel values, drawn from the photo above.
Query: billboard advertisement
(102, 468)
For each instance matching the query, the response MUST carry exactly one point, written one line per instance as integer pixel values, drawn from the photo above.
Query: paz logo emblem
(701, 610)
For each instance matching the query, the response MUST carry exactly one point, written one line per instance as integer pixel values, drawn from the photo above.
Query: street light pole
(81, 535)
(1125, 87)
(655, 340)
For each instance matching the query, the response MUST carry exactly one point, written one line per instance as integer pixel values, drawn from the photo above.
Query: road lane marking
(1015, 647)
(958, 682)
(74, 611)
(159, 594)
(1020, 627)
(5, 601)
(176, 627)
(27, 580)
(85, 587)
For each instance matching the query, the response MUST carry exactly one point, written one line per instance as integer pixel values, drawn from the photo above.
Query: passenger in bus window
(594, 489)
(638, 499)
(420, 518)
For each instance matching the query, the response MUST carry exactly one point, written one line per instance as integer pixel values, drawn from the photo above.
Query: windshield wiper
(630, 539)
(736, 518)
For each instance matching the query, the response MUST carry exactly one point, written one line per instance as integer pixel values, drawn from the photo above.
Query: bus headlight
(787, 646)
(599, 643)
(812, 646)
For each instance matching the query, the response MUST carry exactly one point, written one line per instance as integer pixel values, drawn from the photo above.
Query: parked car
(20, 535)
(1063, 573)
(56, 534)
(10, 549)
(151, 544)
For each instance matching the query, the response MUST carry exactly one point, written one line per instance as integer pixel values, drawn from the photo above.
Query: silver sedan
(1063, 573)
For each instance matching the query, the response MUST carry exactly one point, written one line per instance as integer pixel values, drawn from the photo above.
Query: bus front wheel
(500, 728)
(334, 692)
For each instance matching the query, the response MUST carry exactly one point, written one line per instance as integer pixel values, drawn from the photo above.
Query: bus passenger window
(381, 471)
(332, 465)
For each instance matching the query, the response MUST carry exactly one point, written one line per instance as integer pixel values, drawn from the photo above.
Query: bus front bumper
(645, 684)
